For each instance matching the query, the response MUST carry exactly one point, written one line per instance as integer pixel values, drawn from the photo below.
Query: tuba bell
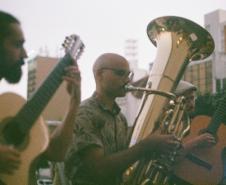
(179, 41)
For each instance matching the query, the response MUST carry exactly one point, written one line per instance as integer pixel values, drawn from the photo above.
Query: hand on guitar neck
(73, 79)
(62, 135)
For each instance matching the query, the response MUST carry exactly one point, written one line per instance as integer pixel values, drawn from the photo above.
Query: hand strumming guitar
(9, 159)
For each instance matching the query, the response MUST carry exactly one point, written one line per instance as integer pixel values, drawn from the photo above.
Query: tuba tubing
(130, 88)
(179, 41)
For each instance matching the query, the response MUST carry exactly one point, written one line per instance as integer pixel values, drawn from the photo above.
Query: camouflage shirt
(95, 125)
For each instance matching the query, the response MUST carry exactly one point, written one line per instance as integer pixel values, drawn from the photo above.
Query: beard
(116, 92)
(12, 74)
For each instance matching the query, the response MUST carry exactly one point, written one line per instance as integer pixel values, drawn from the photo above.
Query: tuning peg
(73, 46)
(74, 36)
(79, 53)
(64, 45)
(68, 42)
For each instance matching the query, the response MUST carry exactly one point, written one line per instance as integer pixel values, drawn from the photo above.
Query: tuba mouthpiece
(130, 88)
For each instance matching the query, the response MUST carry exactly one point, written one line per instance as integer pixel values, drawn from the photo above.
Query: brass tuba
(179, 41)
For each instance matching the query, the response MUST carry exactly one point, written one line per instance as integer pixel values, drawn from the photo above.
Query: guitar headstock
(73, 46)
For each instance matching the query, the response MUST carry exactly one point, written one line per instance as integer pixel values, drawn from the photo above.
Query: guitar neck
(35, 105)
(19, 126)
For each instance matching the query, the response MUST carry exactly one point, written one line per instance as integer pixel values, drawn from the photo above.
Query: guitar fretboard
(34, 106)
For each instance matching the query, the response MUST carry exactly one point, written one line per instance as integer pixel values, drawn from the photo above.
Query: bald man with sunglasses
(100, 154)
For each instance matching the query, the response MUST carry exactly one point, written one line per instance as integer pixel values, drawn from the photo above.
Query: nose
(24, 53)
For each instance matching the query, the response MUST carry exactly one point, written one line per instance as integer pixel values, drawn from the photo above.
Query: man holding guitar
(199, 141)
(188, 90)
(204, 140)
(12, 55)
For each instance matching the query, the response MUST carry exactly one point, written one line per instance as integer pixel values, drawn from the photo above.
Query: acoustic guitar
(204, 166)
(23, 128)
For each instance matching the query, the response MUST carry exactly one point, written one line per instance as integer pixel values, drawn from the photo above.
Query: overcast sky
(103, 25)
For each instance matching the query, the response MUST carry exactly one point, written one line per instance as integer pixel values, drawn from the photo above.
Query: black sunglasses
(120, 72)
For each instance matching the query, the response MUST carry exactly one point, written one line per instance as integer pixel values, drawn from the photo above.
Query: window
(224, 38)
(218, 85)
(224, 83)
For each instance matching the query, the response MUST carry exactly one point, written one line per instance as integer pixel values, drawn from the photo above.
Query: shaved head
(108, 60)
(111, 72)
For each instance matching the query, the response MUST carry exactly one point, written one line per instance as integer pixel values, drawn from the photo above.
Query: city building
(200, 74)
(38, 70)
(209, 75)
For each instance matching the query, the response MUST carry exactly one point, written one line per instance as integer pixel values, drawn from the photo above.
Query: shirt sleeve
(86, 134)
(86, 131)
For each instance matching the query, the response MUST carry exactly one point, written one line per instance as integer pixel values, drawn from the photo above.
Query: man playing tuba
(100, 154)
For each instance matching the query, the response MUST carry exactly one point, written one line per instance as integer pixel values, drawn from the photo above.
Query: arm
(61, 137)
(200, 141)
(9, 159)
(101, 167)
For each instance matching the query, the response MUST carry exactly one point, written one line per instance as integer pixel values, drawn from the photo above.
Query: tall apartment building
(200, 74)
(38, 69)
(209, 75)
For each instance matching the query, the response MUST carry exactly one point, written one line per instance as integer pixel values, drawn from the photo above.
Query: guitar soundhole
(2, 183)
(12, 133)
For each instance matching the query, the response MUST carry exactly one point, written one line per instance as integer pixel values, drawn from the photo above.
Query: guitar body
(197, 174)
(30, 149)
